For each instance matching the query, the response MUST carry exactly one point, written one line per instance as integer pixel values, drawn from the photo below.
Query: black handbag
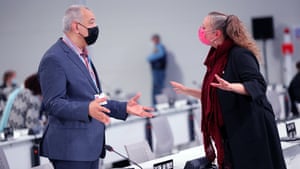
(200, 163)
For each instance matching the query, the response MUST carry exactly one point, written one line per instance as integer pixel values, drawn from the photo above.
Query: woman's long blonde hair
(232, 27)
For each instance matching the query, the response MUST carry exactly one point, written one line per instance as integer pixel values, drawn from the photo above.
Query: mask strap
(82, 26)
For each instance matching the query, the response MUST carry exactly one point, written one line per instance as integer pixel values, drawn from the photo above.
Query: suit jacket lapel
(76, 60)
(97, 78)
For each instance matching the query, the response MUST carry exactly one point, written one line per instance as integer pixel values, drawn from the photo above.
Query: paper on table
(102, 95)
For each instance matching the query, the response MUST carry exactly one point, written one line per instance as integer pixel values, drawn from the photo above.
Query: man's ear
(74, 27)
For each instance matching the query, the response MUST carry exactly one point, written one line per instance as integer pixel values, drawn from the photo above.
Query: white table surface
(179, 158)
(291, 152)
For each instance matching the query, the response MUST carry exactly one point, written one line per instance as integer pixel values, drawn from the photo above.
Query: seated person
(7, 87)
(9, 83)
(294, 90)
(2, 103)
(25, 110)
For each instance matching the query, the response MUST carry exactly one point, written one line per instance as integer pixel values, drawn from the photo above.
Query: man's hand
(98, 112)
(138, 110)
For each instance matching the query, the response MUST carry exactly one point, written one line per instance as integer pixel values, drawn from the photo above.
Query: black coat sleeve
(253, 139)
(247, 69)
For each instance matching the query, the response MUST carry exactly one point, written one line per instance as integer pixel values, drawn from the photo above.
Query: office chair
(163, 136)
(3, 160)
(139, 152)
(7, 108)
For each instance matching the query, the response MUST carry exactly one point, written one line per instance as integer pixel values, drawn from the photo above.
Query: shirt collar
(75, 48)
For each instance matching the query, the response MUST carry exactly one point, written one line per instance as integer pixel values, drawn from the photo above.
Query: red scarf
(212, 119)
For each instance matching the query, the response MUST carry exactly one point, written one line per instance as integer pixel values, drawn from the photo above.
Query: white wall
(29, 27)
(27, 30)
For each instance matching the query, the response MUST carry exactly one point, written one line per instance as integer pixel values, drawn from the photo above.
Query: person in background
(158, 62)
(9, 83)
(236, 114)
(294, 91)
(7, 87)
(77, 116)
(25, 110)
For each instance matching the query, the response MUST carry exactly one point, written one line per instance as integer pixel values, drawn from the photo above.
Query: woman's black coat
(252, 135)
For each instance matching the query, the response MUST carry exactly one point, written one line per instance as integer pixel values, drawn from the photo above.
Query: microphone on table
(110, 149)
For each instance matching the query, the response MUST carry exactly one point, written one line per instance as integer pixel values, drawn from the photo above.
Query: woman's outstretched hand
(227, 86)
(179, 88)
(222, 84)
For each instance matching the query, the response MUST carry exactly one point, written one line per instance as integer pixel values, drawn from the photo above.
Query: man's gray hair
(73, 13)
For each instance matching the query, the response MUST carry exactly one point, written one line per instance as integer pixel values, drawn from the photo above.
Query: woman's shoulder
(26, 94)
(240, 54)
(238, 50)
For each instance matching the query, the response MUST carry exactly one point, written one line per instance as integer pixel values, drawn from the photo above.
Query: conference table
(178, 114)
(179, 158)
(19, 147)
(291, 151)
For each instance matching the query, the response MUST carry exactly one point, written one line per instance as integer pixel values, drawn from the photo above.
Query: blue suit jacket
(67, 89)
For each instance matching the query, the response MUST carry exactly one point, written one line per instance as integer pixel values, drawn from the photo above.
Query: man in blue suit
(74, 137)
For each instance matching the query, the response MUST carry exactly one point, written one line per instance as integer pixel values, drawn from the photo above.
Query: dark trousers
(158, 82)
(60, 164)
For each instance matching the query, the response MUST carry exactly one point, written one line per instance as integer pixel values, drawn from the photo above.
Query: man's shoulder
(56, 50)
(161, 45)
(58, 46)
(54, 54)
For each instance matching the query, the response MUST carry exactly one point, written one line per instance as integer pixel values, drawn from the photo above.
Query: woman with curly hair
(236, 114)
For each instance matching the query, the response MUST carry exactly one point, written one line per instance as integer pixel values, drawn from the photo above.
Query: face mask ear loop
(78, 23)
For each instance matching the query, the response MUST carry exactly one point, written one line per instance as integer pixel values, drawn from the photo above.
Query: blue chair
(6, 112)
